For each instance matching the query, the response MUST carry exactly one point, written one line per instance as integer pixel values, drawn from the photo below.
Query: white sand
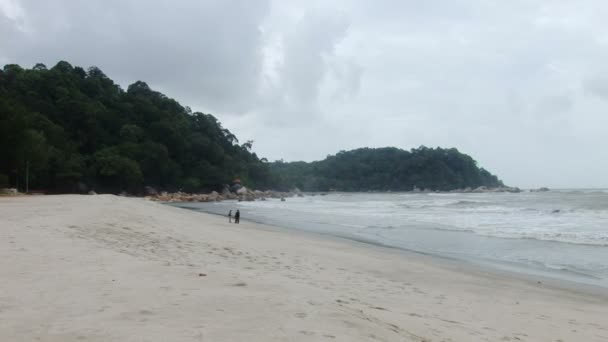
(105, 268)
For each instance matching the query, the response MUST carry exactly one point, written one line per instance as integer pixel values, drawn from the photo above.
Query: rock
(241, 191)
(282, 199)
(92, 192)
(226, 191)
(235, 187)
(300, 195)
(213, 196)
(123, 194)
(150, 191)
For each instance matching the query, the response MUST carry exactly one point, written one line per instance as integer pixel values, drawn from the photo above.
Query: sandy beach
(107, 268)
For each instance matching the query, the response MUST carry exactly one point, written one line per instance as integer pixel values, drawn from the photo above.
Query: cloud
(597, 85)
(207, 53)
(520, 85)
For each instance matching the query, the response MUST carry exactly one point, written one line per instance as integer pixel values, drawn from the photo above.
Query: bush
(3, 181)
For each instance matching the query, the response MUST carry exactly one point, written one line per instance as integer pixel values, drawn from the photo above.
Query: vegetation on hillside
(383, 169)
(72, 130)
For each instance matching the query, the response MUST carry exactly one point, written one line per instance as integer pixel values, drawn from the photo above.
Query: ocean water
(560, 234)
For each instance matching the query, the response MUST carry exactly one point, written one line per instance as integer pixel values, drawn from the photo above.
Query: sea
(559, 234)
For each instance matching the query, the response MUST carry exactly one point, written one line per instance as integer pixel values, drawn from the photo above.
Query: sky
(520, 85)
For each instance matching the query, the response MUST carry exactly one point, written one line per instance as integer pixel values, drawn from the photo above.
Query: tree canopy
(74, 129)
(384, 169)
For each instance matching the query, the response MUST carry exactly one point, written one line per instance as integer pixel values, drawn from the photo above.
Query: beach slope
(107, 268)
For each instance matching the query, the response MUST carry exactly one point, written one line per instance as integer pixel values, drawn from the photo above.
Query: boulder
(235, 187)
(9, 191)
(150, 191)
(241, 191)
(92, 192)
(213, 196)
(481, 189)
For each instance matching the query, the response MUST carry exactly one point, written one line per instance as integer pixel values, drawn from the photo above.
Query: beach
(108, 268)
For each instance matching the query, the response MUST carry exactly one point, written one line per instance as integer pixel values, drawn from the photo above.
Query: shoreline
(244, 194)
(111, 268)
(471, 266)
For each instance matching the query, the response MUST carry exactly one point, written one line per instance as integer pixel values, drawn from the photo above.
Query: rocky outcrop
(485, 189)
(150, 191)
(242, 194)
(9, 191)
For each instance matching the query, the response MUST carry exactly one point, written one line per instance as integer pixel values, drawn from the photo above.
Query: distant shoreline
(469, 265)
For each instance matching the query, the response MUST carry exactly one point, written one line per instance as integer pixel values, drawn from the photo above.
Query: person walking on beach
(237, 216)
(230, 216)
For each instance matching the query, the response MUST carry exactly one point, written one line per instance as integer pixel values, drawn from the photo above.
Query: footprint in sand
(307, 332)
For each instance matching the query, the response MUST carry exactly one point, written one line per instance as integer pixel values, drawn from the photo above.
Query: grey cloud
(207, 53)
(597, 86)
(517, 84)
(306, 50)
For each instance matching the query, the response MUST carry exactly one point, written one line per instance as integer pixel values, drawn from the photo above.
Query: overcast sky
(520, 85)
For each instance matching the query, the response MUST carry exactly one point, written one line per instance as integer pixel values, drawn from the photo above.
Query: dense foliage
(74, 130)
(383, 169)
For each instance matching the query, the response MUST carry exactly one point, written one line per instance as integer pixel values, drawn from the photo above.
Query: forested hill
(72, 130)
(77, 129)
(384, 169)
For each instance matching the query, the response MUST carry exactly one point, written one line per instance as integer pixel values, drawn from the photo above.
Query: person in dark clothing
(230, 216)
(237, 216)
